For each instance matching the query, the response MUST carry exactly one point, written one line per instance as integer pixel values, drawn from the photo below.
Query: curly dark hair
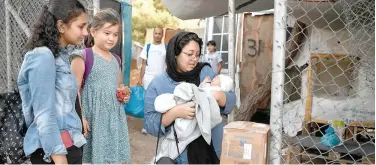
(45, 31)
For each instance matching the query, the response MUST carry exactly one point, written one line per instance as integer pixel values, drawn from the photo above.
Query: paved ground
(142, 146)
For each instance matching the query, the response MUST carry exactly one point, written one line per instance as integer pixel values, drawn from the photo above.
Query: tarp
(307, 12)
(194, 9)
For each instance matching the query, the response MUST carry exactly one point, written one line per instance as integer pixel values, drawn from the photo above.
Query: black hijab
(174, 48)
(199, 152)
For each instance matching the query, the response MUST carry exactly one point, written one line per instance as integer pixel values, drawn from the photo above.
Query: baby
(184, 93)
(207, 112)
(219, 83)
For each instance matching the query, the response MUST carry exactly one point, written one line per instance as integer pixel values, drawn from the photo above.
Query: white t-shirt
(213, 60)
(156, 61)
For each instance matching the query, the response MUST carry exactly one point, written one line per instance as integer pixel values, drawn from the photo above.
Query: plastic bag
(135, 106)
(330, 139)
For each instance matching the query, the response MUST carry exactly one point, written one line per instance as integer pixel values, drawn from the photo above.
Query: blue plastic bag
(135, 106)
(330, 139)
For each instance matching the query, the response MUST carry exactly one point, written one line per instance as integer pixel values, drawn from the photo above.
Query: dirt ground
(142, 146)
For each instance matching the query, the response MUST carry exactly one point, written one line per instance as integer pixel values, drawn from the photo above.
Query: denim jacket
(48, 91)
(164, 84)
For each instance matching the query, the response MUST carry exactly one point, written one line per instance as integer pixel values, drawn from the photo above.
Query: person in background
(213, 57)
(103, 115)
(153, 60)
(48, 88)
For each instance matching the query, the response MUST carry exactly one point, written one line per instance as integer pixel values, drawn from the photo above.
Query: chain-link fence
(323, 93)
(17, 17)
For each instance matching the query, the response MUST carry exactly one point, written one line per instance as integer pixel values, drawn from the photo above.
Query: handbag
(165, 160)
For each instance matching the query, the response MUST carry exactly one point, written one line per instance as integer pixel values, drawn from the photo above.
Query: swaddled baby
(183, 94)
(207, 113)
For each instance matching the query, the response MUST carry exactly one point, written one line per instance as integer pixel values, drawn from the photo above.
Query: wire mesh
(17, 17)
(329, 78)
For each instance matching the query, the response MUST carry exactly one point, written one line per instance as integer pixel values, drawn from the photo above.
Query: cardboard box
(245, 143)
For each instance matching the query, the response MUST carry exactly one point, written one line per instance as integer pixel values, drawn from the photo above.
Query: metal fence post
(278, 68)
(126, 9)
(7, 42)
(231, 46)
(96, 6)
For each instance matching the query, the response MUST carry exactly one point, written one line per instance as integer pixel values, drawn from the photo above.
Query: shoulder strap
(117, 59)
(159, 132)
(166, 46)
(89, 60)
(147, 52)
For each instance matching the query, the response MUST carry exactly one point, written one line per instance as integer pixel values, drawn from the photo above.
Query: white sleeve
(143, 53)
(164, 102)
(219, 57)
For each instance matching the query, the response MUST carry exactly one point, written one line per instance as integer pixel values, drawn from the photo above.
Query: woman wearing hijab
(182, 56)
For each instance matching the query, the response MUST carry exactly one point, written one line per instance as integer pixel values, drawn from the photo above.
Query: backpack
(147, 52)
(89, 61)
(13, 128)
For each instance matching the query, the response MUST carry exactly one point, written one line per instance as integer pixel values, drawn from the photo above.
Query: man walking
(153, 60)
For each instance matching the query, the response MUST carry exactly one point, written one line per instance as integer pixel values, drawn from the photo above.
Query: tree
(159, 6)
(150, 14)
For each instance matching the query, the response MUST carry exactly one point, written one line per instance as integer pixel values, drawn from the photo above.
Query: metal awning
(194, 9)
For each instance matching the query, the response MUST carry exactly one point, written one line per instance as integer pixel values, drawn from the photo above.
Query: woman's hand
(185, 111)
(86, 126)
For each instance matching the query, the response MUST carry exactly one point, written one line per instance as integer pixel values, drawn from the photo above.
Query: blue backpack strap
(147, 52)
(166, 46)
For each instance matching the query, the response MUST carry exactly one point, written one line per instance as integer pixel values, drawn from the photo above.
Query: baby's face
(216, 82)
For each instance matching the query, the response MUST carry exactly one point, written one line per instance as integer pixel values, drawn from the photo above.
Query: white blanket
(207, 116)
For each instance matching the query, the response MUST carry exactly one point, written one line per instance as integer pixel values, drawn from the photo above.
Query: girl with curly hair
(48, 88)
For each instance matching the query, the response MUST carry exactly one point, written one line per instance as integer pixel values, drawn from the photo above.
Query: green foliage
(148, 14)
(159, 6)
